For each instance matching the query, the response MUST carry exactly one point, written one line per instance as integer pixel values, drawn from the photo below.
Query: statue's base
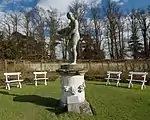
(71, 69)
(73, 89)
(83, 108)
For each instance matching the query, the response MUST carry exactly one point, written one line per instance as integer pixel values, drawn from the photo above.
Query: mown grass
(108, 102)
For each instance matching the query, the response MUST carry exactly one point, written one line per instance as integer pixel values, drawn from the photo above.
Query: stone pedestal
(73, 88)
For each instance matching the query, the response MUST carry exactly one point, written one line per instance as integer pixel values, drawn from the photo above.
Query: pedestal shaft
(72, 85)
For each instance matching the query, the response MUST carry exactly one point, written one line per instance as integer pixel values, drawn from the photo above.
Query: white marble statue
(74, 35)
(72, 31)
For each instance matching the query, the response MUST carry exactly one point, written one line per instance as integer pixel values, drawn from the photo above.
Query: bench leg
(107, 82)
(20, 85)
(35, 82)
(8, 86)
(143, 85)
(130, 84)
(118, 84)
(45, 82)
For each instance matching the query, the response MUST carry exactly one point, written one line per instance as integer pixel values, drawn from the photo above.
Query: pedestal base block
(83, 108)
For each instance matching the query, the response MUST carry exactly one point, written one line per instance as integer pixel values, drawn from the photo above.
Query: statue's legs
(74, 54)
(74, 47)
(70, 50)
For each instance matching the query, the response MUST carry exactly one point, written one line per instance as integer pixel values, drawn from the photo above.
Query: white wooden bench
(143, 74)
(36, 78)
(9, 80)
(117, 77)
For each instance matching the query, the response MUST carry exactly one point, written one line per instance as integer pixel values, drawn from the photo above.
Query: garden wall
(96, 69)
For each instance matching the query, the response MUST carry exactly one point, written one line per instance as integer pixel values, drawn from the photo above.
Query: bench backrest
(114, 72)
(138, 73)
(16, 73)
(39, 72)
(144, 74)
(12, 74)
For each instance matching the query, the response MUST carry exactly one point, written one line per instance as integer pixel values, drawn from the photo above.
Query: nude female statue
(73, 35)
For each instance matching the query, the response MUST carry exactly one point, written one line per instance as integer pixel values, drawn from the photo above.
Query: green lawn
(108, 103)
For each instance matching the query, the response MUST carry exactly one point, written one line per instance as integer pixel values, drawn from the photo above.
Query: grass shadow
(112, 85)
(125, 85)
(38, 100)
(30, 83)
(4, 93)
(58, 110)
(51, 103)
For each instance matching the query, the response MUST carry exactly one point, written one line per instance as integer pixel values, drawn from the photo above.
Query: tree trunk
(145, 43)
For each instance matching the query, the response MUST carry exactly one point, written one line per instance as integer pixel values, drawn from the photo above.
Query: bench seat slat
(40, 78)
(10, 81)
(136, 80)
(39, 73)
(17, 73)
(111, 72)
(138, 73)
(113, 78)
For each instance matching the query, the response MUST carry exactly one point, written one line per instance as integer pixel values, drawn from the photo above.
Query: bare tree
(15, 18)
(95, 14)
(53, 25)
(134, 44)
(148, 9)
(112, 13)
(6, 26)
(144, 23)
(38, 32)
(78, 7)
(120, 33)
(27, 23)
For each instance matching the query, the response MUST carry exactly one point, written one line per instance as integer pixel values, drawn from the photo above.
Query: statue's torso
(74, 29)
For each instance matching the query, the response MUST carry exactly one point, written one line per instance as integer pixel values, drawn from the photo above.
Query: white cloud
(61, 5)
(116, 0)
(120, 2)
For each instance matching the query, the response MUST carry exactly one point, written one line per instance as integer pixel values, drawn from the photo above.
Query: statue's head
(70, 16)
